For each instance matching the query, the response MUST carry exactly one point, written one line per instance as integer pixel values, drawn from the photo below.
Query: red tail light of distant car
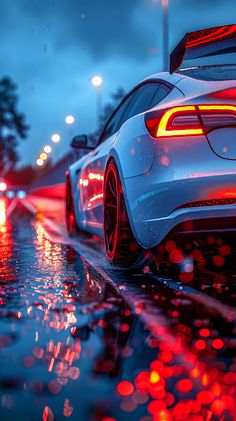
(3, 186)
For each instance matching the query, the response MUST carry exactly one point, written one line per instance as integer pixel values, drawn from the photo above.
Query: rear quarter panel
(134, 149)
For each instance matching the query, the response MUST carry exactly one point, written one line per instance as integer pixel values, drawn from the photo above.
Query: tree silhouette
(12, 124)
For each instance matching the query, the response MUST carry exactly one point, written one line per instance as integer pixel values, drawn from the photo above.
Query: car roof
(189, 85)
(165, 76)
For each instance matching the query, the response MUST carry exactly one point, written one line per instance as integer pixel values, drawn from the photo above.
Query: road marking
(11, 208)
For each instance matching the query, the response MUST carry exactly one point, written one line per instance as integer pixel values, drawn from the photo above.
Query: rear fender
(72, 178)
(115, 158)
(133, 153)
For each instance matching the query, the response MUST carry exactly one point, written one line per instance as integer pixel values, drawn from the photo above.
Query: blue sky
(52, 48)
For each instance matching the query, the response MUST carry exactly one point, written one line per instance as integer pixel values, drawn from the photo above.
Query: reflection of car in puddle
(82, 332)
(198, 259)
(112, 322)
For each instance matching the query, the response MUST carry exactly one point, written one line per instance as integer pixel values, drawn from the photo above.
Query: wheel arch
(70, 177)
(113, 156)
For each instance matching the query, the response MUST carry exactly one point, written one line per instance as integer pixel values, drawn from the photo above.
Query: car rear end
(192, 183)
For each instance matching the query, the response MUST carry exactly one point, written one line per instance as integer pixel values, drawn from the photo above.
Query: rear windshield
(222, 72)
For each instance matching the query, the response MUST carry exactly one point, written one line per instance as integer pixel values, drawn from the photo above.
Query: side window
(142, 99)
(126, 113)
(161, 92)
(113, 125)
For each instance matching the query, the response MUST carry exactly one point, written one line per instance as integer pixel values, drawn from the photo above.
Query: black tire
(121, 247)
(71, 225)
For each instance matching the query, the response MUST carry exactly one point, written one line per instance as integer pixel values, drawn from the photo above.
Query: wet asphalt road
(80, 341)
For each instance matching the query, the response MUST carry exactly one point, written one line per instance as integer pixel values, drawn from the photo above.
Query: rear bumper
(151, 232)
(155, 208)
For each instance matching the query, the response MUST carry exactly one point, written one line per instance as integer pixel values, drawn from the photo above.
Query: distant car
(166, 158)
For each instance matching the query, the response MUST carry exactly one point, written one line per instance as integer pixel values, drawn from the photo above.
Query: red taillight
(3, 186)
(190, 120)
(225, 94)
(176, 121)
(214, 116)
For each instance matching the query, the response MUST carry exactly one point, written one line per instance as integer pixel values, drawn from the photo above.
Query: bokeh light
(47, 149)
(70, 119)
(56, 138)
(97, 81)
(39, 162)
(3, 186)
(43, 156)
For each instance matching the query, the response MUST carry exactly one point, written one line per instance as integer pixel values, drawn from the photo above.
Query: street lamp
(97, 82)
(70, 119)
(43, 156)
(39, 162)
(47, 149)
(56, 138)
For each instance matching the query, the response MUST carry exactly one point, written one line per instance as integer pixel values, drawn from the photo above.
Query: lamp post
(165, 34)
(97, 82)
(56, 138)
(70, 120)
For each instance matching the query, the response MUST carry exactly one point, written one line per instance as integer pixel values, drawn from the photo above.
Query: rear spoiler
(204, 43)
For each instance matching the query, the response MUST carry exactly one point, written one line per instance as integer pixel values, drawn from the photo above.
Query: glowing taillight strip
(162, 130)
(217, 108)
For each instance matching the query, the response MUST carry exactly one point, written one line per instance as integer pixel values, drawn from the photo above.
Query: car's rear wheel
(121, 247)
(72, 227)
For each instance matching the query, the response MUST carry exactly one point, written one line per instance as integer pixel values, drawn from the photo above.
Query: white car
(166, 158)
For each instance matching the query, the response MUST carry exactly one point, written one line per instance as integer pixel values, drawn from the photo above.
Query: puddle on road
(71, 348)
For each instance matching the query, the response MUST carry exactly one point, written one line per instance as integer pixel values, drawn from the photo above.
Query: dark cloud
(101, 27)
(106, 17)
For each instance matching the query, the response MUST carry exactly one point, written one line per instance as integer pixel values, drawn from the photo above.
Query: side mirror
(80, 142)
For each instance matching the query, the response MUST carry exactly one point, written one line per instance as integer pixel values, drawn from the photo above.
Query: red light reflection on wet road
(70, 347)
(2, 214)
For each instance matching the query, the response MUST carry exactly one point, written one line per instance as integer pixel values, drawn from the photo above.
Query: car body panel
(156, 209)
(223, 142)
(135, 153)
(161, 176)
(90, 185)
